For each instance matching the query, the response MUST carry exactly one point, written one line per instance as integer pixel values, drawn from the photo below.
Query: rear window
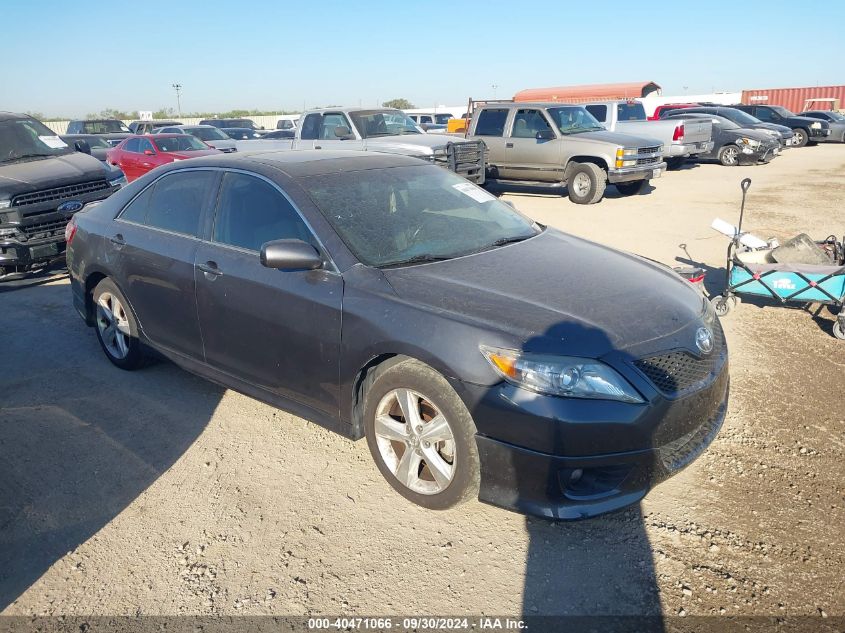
(104, 127)
(630, 112)
(491, 122)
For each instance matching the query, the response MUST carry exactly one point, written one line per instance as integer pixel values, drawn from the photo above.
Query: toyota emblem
(704, 340)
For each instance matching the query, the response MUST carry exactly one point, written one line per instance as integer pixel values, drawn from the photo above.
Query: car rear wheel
(675, 162)
(116, 327)
(799, 138)
(421, 435)
(586, 183)
(729, 155)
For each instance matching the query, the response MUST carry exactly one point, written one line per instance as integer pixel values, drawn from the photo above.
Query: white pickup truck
(681, 138)
(380, 130)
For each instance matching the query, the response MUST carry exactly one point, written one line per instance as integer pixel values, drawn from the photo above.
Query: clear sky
(70, 57)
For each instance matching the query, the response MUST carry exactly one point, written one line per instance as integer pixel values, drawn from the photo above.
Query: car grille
(44, 230)
(59, 193)
(466, 159)
(675, 455)
(649, 161)
(678, 372)
(649, 150)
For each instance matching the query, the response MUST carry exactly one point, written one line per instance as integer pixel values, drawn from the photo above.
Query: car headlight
(750, 142)
(565, 376)
(5, 204)
(816, 125)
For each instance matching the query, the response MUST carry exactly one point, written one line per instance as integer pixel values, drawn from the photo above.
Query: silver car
(209, 134)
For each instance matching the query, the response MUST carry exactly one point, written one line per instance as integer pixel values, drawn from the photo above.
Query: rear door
(490, 128)
(526, 156)
(127, 158)
(279, 330)
(157, 236)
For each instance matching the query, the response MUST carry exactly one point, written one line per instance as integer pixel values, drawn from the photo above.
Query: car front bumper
(568, 458)
(629, 174)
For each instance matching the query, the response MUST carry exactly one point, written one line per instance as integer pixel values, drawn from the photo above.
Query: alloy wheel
(582, 184)
(415, 441)
(113, 325)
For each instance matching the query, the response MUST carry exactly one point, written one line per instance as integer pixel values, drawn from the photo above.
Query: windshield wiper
(22, 156)
(510, 240)
(416, 259)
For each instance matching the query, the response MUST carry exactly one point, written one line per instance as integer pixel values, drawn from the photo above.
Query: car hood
(805, 120)
(756, 134)
(617, 138)
(556, 293)
(415, 142)
(192, 154)
(16, 178)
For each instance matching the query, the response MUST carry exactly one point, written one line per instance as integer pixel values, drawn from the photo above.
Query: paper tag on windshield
(53, 142)
(469, 189)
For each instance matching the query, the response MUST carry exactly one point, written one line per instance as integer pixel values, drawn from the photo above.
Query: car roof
(8, 116)
(309, 162)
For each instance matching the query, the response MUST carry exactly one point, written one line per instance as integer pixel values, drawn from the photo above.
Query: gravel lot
(156, 492)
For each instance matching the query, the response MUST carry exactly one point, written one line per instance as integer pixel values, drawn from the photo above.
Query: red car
(137, 155)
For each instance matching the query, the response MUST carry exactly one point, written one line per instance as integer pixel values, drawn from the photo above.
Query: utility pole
(178, 89)
(494, 87)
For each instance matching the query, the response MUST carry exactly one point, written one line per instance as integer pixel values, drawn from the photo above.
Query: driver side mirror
(343, 133)
(82, 146)
(290, 255)
(149, 152)
(545, 135)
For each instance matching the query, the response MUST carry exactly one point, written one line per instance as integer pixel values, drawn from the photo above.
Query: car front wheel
(729, 155)
(799, 138)
(421, 435)
(586, 183)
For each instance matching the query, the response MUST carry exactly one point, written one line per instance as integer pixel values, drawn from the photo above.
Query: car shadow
(76, 452)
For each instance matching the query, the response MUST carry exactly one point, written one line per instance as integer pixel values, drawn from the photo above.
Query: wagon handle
(744, 185)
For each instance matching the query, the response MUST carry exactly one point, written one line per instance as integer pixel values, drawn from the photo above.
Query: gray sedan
(836, 120)
(208, 134)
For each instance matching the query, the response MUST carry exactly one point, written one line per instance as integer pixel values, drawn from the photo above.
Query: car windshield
(372, 123)
(27, 139)
(442, 119)
(740, 117)
(414, 214)
(782, 111)
(246, 123)
(836, 116)
(207, 133)
(726, 124)
(574, 120)
(184, 143)
(633, 111)
(104, 127)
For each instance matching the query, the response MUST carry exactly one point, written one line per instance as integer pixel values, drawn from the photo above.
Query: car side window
(764, 115)
(598, 111)
(491, 122)
(177, 201)
(331, 121)
(527, 123)
(146, 145)
(136, 211)
(311, 127)
(251, 212)
(132, 145)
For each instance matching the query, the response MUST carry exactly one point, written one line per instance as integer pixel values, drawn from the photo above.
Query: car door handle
(318, 147)
(210, 269)
(117, 240)
(509, 145)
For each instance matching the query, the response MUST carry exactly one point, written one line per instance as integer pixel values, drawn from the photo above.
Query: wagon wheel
(839, 330)
(722, 304)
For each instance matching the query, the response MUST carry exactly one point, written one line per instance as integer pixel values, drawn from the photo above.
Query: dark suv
(806, 130)
(112, 130)
(43, 182)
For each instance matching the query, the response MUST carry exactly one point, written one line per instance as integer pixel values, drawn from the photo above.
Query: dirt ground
(156, 492)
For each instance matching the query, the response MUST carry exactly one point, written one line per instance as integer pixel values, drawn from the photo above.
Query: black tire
(134, 357)
(676, 162)
(435, 390)
(800, 138)
(630, 188)
(721, 304)
(597, 183)
(729, 155)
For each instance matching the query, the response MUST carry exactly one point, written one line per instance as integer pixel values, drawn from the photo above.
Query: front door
(156, 238)
(528, 157)
(490, 128)
(276, 329)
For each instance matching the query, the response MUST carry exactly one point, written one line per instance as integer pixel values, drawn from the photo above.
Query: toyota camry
(481, 354)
